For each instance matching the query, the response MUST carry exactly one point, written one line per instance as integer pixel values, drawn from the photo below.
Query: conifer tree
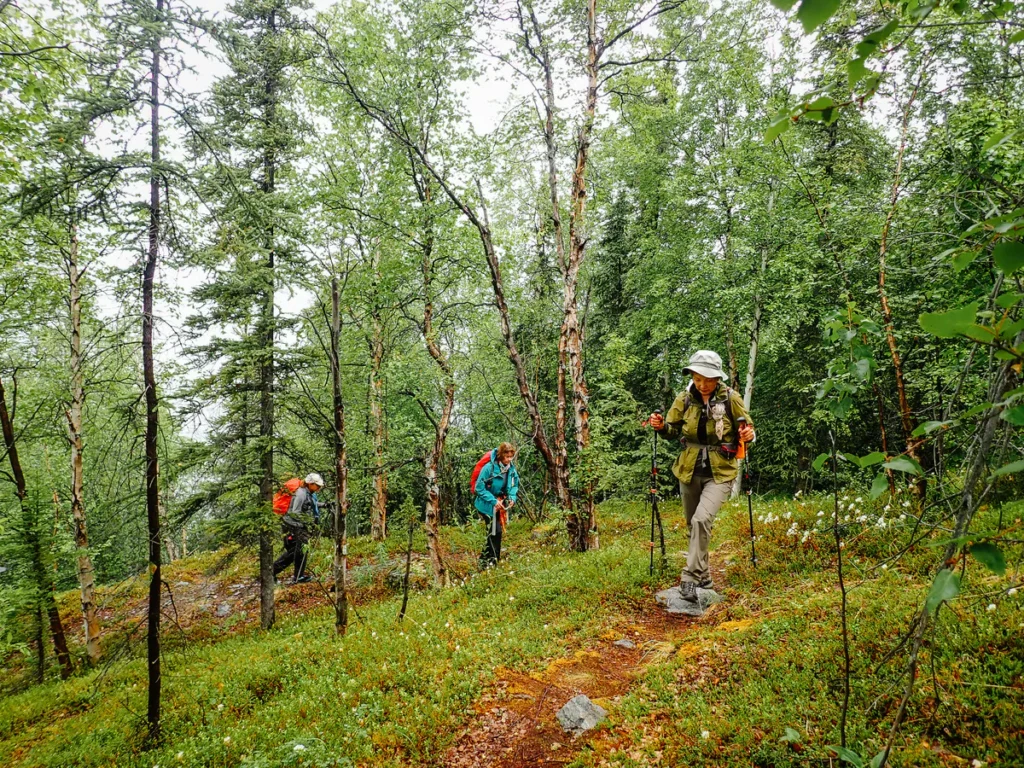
(248, 147)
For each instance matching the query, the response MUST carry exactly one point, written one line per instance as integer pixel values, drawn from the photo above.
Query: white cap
(314, 479)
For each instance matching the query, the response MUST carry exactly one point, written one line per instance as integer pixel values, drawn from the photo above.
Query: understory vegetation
(757, 680)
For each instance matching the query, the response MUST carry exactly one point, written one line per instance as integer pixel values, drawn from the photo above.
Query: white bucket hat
(706, 363)
(314, 479)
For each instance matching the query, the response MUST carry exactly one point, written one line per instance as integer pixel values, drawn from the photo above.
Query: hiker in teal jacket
(495, 494)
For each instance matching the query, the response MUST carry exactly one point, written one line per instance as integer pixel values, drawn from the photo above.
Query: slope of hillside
(476, 672)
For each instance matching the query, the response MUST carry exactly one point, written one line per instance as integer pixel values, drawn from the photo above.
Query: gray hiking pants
(702, 498)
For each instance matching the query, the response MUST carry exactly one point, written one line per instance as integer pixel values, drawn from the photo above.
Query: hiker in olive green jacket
(709, 418)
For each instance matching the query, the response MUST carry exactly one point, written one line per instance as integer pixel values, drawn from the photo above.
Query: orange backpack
(476, 472)
(283, 498)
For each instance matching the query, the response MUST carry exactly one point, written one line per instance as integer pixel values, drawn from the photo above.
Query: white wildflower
(220, 707)
(300, 747)
(885, 566)
(821, 514)
(1011, 591)
(991, 607)
(227, 739)
(881, 522)
(705, 734)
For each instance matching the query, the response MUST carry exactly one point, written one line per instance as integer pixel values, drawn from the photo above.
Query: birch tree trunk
(755, 338)
(907, 420)
(86, 576)
(587, 535)
(379, 503)
(431, 516)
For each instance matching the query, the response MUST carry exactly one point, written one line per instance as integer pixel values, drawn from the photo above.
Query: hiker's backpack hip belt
(728, 450)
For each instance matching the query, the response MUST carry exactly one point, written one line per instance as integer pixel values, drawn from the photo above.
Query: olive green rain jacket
(682, 422)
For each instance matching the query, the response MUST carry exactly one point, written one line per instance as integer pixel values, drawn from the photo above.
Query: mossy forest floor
(476, 672)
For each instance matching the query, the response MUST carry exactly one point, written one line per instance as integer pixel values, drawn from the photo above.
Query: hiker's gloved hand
(657, 422)
(747, 433)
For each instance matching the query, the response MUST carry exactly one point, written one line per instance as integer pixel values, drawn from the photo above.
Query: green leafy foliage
(1009, 255)
(791, 736)
(847, 755)
(904, 464)
(1009, 469)
(951, 323)
(990, 556)
(945, 587)
(879, 485)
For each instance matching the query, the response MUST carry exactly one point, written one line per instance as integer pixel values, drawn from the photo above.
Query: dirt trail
(516, 724)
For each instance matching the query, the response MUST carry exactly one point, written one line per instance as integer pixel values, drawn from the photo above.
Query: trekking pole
(654, 492)
(742, 454)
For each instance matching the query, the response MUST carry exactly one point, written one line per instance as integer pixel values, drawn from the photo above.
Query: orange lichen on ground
(517, 724)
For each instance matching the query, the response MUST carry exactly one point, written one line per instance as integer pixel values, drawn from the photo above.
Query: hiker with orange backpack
(495, 483)
(301, 509)
(713, 426)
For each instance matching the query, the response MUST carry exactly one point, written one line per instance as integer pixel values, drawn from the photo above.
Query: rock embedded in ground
(625, 643)
(580, 714)
(672, 601)
(223, 610)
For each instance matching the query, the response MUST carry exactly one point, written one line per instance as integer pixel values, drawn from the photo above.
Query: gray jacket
(303, 512)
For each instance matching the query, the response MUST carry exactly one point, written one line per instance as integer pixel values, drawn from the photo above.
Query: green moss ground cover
(767, 661)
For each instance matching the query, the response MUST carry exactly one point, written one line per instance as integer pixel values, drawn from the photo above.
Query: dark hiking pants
(492, 546)
(294, 553)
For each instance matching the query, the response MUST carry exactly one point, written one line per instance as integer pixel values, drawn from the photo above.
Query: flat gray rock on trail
(625, 643)
(672, 601)
(580, 714)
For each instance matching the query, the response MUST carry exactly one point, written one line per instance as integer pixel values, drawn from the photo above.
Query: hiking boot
(304, 579)
(688, 591)
(706, 584)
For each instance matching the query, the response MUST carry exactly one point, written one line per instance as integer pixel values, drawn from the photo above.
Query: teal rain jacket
(501, 484)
